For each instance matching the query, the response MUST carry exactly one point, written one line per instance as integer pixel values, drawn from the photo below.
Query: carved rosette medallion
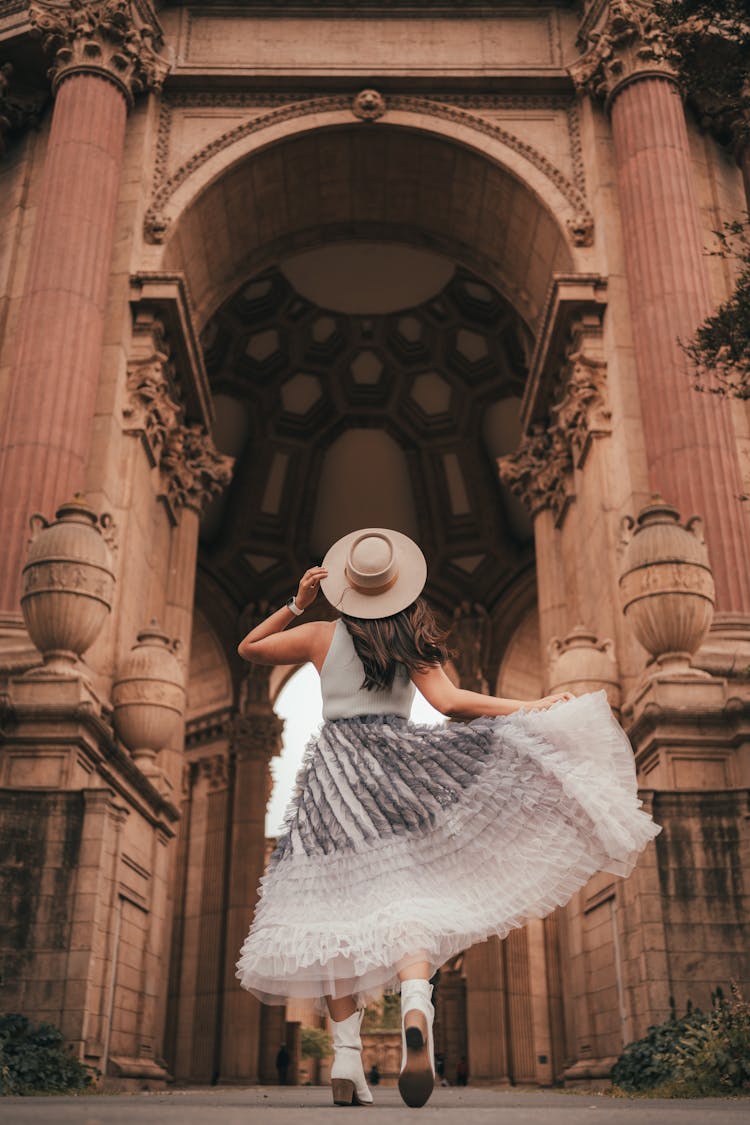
(539, 472)
(368, 105)
(117, 39)
(632, 41)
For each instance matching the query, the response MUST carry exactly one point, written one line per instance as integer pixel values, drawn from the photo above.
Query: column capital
(631, 42)
(193, 471)
(116, 39)
(256, 735)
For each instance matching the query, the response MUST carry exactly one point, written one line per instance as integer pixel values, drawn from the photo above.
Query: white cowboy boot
(417, 1077)
(347, 1073)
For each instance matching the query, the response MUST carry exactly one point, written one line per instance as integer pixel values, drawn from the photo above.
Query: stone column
(255, 738)
(102, 55)
(690, 444)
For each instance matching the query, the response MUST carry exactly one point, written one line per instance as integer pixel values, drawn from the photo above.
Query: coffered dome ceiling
(344, 412)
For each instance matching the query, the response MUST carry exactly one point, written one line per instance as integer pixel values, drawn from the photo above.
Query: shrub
(34, 1059)
(316, 1043)
(700, 1054)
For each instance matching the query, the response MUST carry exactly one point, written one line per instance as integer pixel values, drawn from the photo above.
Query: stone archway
(309, 380)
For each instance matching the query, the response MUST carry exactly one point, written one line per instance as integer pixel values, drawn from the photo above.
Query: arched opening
(368, 301)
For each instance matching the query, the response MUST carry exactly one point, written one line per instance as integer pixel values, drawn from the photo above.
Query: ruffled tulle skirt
(406, 842)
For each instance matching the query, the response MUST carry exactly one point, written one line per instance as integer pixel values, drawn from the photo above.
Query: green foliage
(383, 1014)
(700, 1054)
(316, 1043)
(720, 349)
(34, 1059)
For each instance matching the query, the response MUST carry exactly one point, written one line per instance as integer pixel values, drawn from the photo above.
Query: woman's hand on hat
(309, 584)
(550, 700)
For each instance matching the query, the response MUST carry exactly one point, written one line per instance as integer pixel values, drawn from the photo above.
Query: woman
(405, 844)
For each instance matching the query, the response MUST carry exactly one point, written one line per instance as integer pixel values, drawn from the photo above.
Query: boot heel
(416, 1082)
(343, 1091)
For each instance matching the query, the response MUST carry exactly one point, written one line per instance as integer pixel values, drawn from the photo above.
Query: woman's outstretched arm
(457, 703)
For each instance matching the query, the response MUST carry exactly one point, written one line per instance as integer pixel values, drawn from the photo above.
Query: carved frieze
(632, 39)
(465, 111)
(118, 39)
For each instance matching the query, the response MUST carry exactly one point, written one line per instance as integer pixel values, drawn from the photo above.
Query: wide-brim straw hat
(373, 572)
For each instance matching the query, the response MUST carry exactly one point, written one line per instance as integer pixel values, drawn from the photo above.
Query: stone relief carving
(583, 411)
(368, 105)
(632, 39)
(156, 223)
(193, 470)
(117, 38)
(151, 412)
(540, 471)
(255, 734)
(17, 112)
(470, 637)
(215, 769)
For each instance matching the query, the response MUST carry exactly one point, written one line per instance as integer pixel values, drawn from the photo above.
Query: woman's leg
(418, 971)
(340, 1007)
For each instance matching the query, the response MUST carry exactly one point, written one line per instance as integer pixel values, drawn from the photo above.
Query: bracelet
(292, 605)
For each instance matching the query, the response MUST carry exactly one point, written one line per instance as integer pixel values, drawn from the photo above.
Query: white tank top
(341, 679)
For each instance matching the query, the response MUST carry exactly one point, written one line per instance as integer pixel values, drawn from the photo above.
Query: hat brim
(412, 575)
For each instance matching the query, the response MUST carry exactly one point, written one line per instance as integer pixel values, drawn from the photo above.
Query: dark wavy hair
(412, 639)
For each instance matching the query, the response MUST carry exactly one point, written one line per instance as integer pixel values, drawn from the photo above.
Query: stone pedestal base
(590, 1072)
(690, 733)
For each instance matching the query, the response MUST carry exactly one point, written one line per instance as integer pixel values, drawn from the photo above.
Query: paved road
(270, 1105)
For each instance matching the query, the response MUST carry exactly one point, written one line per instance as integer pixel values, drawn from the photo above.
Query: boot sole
(416, 1081)
(345, 1092)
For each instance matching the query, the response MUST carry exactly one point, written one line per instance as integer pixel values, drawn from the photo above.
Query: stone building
(272, 269)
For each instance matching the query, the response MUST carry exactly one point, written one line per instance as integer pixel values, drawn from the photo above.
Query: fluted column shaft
(690, 445)
(46, 432)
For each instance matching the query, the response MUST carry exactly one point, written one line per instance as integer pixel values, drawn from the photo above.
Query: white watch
(291, 604)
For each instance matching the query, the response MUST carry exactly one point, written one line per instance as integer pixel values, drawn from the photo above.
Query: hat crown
(371, 560)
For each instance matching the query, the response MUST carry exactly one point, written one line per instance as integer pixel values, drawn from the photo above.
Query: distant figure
(462, 1072)
(374, 1074)
(440, 1069)
(283, 1058)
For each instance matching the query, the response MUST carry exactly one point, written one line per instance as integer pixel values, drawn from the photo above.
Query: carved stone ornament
(192, 469)
(666, 584)
(215, 770)
(470, 638)
(17, 112)
(148, 695)
(580, 663)
(632, 40)
(151, 412)
(583, 412)
(368, 105)
(118, 39)
(539, 472)
(257, 734)
(68, 585)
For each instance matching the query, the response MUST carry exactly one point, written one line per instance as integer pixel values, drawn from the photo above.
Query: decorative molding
(632, 41)
(151, 412)
(256, 735)
(156, 222)
(116, 39)
(540, 471)
(216, 770)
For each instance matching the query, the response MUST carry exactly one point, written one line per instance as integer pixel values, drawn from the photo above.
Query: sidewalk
(270, 1105)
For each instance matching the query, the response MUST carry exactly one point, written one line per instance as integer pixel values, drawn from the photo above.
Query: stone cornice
(631, 42)
(116, 39)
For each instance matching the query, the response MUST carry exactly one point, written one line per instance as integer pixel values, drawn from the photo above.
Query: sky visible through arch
(299, 705)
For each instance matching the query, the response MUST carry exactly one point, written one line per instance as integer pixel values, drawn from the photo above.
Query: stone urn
(581, 662)
(67, 585)
(666, 584)
(148, 695)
